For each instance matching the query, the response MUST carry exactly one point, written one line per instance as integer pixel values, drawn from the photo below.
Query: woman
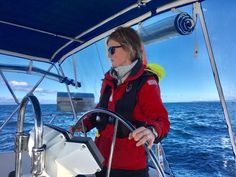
(134, 93)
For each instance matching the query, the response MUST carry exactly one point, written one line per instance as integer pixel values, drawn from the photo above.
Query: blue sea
(198, 143)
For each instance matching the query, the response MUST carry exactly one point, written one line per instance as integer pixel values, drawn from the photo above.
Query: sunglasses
(111, 50)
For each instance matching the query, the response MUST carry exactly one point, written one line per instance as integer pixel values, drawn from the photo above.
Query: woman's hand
(72, 129)
(77, 127)
(142, 135)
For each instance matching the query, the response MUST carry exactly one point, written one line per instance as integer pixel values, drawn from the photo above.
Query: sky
(188, 77)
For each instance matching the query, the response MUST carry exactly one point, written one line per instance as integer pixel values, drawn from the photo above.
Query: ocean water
(197, 145)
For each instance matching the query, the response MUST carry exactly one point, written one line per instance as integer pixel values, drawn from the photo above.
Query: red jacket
(148, 109)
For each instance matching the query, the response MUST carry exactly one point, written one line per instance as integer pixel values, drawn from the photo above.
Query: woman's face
(117, 54)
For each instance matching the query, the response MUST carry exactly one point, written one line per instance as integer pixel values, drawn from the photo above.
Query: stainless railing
(37, 159)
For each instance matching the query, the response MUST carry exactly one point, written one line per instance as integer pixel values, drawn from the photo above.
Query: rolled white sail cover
(181, 24)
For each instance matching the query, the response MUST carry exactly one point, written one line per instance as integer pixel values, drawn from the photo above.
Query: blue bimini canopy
(52, 30)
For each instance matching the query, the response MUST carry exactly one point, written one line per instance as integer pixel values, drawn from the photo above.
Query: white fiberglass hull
(7, 165)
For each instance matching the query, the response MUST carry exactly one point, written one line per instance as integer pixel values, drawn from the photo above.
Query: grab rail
(37, 159)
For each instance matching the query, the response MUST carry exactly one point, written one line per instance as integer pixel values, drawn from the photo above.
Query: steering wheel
(129, 125)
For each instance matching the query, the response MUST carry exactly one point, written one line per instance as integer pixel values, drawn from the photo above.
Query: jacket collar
(136, 72)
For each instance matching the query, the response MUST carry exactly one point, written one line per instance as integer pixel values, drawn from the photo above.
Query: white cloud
(26, 87)
(42, 91)
(16, 83)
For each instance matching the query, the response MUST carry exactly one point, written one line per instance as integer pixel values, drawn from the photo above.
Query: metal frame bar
(33, 70)
(69, 95)
(30, 92)
(98, 25)
(112, 148)
(199, 11)
(103, 35)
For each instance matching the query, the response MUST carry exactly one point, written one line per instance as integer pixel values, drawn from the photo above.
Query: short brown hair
(130, 41)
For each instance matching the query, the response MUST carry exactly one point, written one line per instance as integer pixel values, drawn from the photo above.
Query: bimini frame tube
(69, 95)
(198, 10)
(30, 92)
(37, 159)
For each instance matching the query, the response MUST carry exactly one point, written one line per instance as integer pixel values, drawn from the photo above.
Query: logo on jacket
(152, 82)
